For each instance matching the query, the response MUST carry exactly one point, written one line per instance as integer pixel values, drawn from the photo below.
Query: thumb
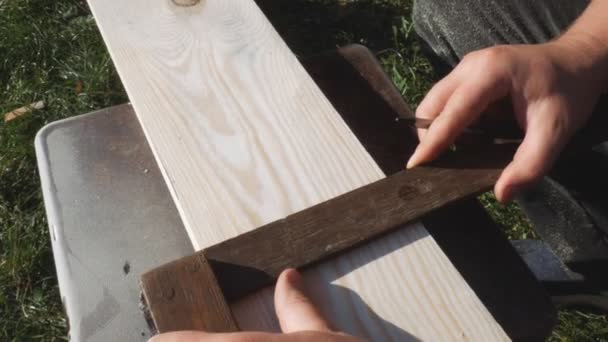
(294, 309)
(180, 336)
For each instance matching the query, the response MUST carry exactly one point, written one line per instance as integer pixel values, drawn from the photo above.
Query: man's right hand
(553, 88)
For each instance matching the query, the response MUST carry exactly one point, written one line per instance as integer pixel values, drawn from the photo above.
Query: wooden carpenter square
(250, 261)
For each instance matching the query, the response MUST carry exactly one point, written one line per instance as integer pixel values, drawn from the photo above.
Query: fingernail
(293, 277)
(414, 159)
(504, 193)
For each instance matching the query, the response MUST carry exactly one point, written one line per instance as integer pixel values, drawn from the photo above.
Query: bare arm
(590, 34)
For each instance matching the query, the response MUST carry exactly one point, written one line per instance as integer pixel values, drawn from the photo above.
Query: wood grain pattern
(244, 137)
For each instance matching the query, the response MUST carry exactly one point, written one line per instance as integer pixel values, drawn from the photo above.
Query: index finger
(464, 105)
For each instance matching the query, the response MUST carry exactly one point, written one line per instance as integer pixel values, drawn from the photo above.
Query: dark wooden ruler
(193, 293)
(255, 259)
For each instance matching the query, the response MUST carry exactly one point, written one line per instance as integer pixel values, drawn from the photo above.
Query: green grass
(514, 222)
(50, 50)
(578, 326)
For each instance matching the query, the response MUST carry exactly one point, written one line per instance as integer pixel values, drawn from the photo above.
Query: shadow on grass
(313, 26)
(383, 26)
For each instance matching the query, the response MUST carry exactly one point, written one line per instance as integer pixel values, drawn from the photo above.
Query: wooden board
(244, 137)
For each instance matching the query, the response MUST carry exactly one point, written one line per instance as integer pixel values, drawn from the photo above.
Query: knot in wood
(407, 191)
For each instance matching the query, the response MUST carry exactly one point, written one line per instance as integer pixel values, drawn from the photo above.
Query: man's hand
(299, 319)
(553, 91)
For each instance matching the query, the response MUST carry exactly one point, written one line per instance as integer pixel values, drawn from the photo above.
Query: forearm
(588, 40)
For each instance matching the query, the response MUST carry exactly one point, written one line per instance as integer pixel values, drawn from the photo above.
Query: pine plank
(244, 137)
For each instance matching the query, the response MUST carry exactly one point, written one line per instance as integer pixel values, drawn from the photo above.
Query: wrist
(585, 55)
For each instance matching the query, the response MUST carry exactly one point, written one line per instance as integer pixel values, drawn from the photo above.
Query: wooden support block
(174, 304)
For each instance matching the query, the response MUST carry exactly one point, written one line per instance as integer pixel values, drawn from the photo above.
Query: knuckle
(496, 55)
(493, 63)
(459, 101)
(498, 52)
